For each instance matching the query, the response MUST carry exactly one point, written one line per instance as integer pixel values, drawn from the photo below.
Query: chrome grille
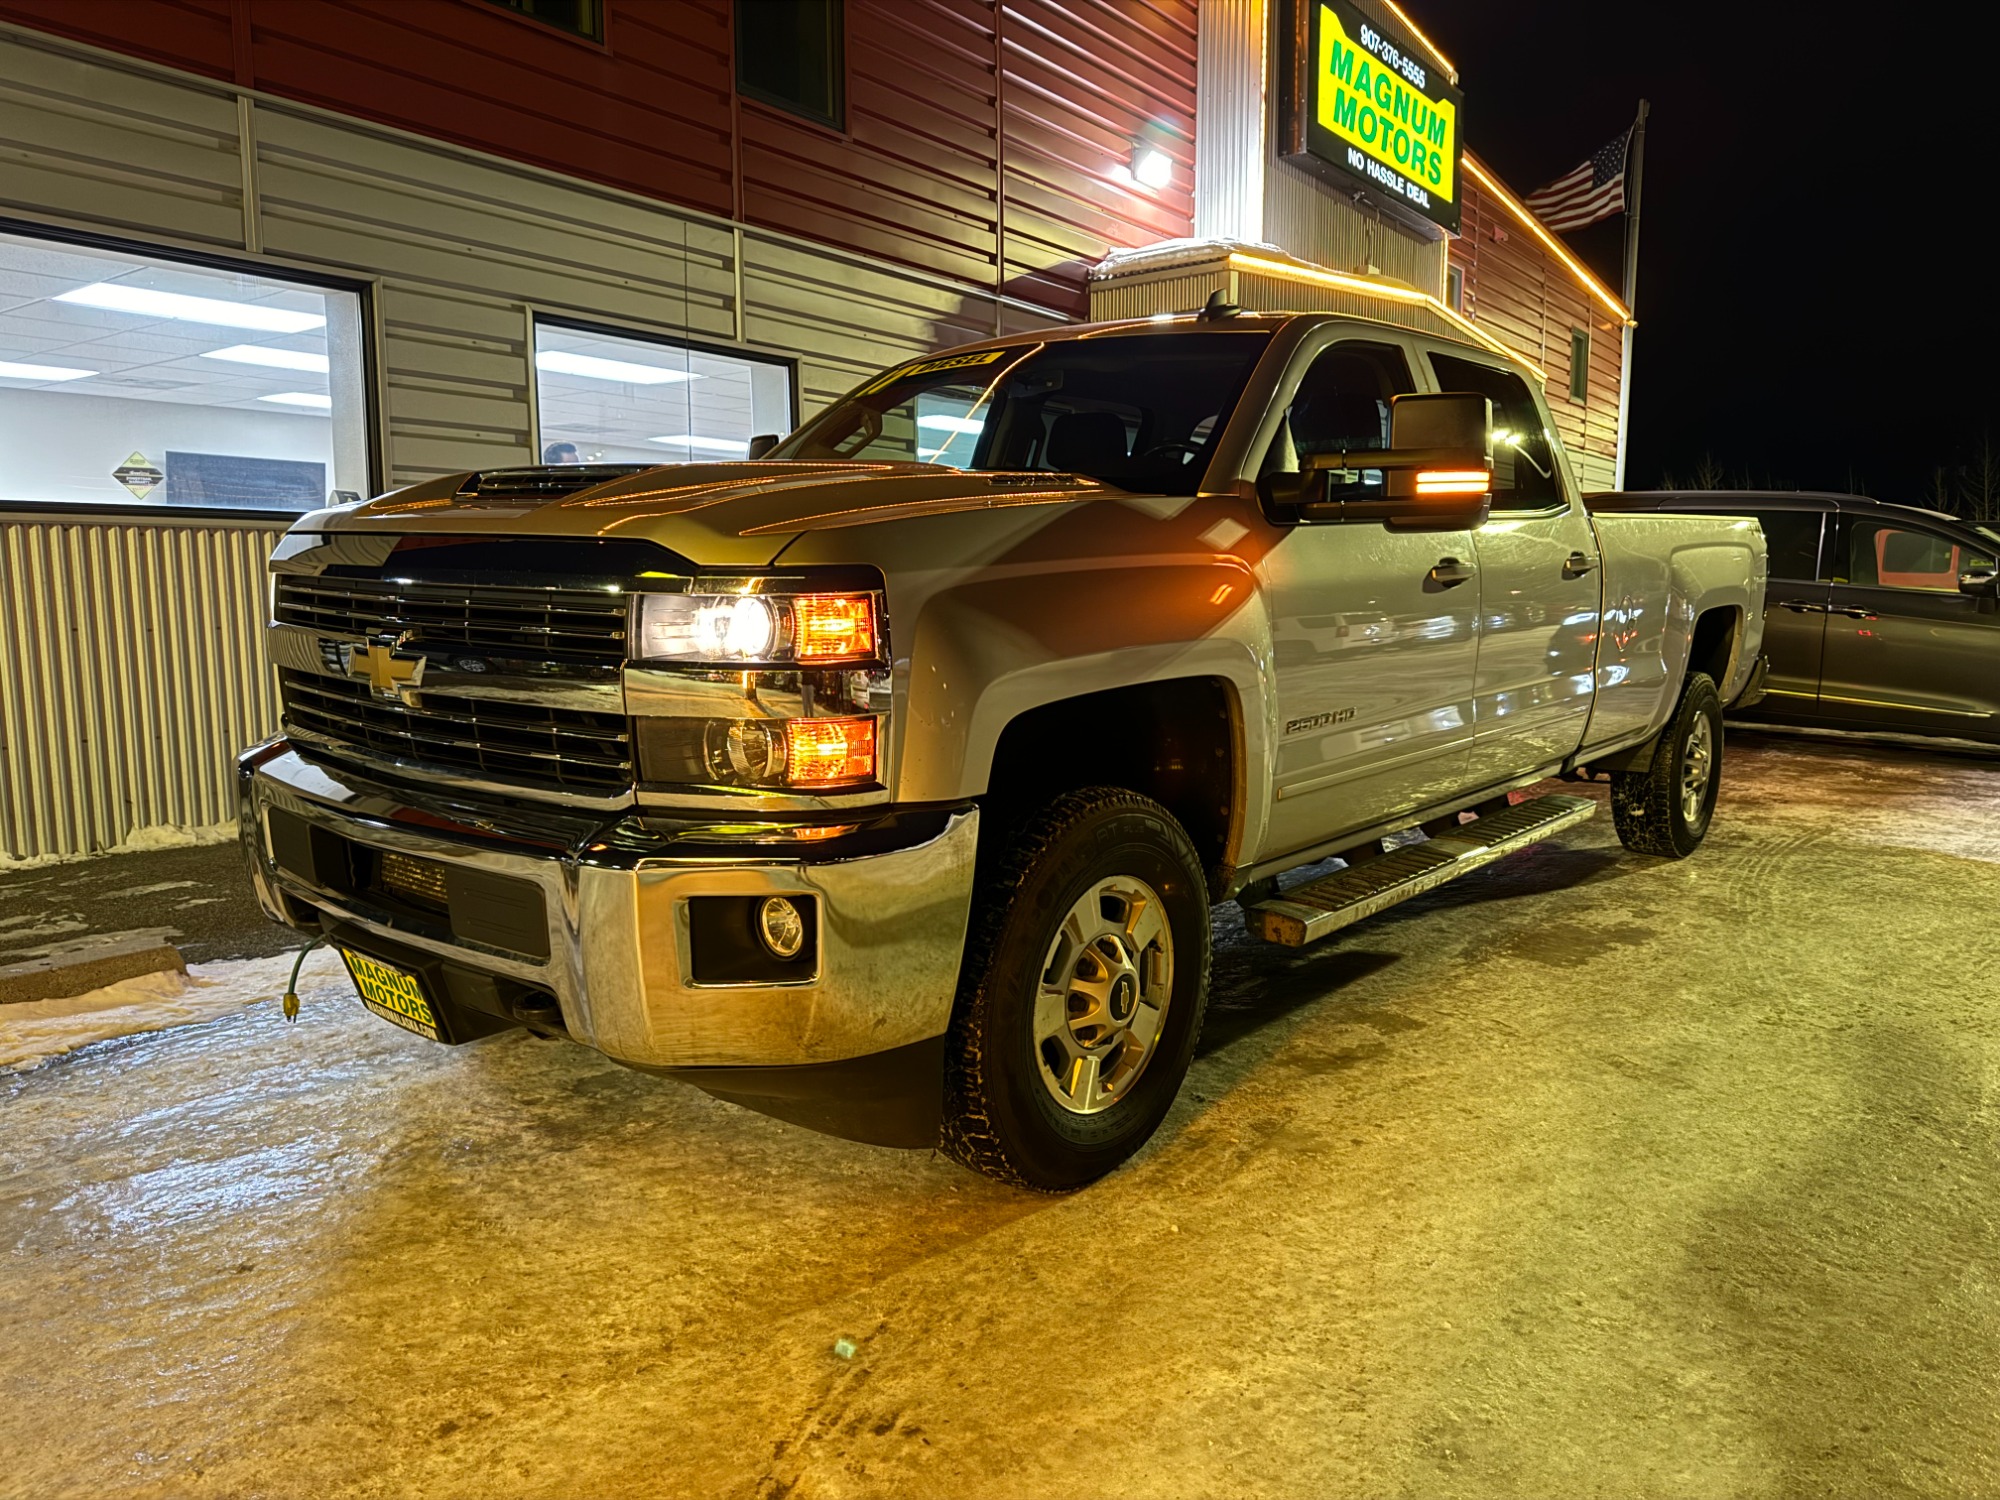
(558, 625)
(549, 749)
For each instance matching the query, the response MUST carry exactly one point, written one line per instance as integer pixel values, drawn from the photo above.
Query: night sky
(1814, 304)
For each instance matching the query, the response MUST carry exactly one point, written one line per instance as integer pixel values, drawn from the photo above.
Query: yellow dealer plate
(393, 994)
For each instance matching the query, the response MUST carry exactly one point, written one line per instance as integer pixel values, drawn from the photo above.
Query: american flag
(1593, 190)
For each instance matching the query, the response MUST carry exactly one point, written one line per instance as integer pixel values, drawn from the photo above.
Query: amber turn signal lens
(828, 752)
(833, 627)
(1453, 481)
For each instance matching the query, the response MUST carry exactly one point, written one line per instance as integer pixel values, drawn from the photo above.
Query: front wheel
(1085, 978)
(1666, 808)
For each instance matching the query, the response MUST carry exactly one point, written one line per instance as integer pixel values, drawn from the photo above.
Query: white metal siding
(131, 671)
(461, 249)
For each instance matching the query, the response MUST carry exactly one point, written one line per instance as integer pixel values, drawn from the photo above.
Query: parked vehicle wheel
(1666, 808)
(1086, 974)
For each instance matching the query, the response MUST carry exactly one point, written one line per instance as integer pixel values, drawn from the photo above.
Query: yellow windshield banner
(932, 367)
(1377, 108)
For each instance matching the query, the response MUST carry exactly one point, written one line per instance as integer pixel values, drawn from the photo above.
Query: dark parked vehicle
(1878, 618)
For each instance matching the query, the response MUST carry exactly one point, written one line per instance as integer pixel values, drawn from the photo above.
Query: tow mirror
(1980, 581)
(761, 444)
(1437, 469)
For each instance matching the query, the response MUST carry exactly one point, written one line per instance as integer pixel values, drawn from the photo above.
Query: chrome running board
(1309, 912)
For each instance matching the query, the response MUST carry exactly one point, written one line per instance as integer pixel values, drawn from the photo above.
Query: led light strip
(1541, 232)
(1367, 287)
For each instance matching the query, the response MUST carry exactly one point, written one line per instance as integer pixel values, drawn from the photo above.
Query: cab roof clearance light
(829, 752)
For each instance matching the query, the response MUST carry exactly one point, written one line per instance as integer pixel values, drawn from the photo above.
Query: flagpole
(1635, 162)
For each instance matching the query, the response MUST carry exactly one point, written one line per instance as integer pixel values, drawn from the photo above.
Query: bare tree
(1708, 473)
(1979, 491)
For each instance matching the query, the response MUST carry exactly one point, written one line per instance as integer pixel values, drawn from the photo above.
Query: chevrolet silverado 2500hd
(884, 782)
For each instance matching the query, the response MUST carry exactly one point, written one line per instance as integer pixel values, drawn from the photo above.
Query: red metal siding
(1082, 80)
(986, 143)
(1521, 294)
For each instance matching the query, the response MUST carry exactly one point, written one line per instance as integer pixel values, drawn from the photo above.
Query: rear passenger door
(1794, 607)
(1539, 586)
(1905, 650)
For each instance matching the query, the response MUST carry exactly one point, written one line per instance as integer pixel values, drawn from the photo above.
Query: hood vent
(512, 486)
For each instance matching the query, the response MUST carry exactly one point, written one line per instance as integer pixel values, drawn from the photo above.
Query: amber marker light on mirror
(833, 627)
(1453, 481)
(829, 752)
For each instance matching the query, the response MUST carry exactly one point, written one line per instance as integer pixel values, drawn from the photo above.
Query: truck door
(1374, 631)
(1905, 650)
(1538, 569)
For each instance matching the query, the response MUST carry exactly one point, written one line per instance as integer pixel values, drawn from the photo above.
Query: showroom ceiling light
(703, 444)
(937, 422)
(301, 398)
(562, 362)
(276, 359)
(12, 371)
(115, 296)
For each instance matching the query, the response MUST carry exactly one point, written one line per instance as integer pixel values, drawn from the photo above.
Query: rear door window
(1793, 539)
(1524, 461)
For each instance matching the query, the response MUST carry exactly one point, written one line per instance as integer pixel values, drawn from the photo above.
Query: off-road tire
(999, 1118)
(1647, 805)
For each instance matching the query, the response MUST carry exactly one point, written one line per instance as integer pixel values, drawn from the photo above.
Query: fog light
(781, 927)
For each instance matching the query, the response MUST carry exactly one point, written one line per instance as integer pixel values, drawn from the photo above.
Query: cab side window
(1341, 405)
(1524, 465)
(1881, 554)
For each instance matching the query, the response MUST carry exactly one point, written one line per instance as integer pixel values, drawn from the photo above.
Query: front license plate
(393, 994)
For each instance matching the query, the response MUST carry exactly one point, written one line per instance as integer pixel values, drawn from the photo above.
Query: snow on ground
(138, 841)
(35, 1031)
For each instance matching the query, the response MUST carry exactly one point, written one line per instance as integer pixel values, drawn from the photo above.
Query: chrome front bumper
(892, 923)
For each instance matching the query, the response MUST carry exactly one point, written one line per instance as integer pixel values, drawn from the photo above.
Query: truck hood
(715, 515)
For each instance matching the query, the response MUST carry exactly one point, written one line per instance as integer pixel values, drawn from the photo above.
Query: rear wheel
(1666, 808)
(1085, 979)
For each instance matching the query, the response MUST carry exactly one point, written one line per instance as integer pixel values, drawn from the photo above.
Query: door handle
(1854, 613)
(1576, 565)
(1450, 572)
(1800, 607)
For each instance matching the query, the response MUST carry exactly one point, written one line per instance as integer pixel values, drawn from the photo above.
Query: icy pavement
(33, 1032)
(1586, 1175)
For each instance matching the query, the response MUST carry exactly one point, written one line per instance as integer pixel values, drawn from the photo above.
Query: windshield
(1139, 411)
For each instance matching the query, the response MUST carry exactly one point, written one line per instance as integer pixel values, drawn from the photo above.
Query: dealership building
(260, 254)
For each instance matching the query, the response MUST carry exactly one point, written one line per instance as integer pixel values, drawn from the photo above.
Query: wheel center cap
(1124, 998)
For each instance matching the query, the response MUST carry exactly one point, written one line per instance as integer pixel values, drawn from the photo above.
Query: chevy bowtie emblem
(387, 673)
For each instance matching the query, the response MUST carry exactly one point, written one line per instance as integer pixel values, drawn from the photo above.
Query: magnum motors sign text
(1367, 103)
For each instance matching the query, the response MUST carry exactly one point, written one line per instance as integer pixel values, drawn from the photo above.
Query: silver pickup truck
(884, 782)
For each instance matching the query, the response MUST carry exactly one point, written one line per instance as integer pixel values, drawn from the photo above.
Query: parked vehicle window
(1524, 462)
(1342, 406)
(1137, 411)
(127, 378)
(1880, 554)
(788, 53)
(1793, 539)
(605, 397)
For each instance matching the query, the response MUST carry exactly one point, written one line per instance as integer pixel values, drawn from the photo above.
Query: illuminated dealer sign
(1367, 103)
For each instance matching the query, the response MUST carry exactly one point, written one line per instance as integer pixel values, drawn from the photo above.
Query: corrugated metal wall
(460, 250)
(131, 671)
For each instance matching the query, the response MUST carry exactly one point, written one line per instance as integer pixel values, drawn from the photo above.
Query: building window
(607, 397)
(1454, 288)
(1579, 365)
(788, 53)
(584, 18)
(128, 378)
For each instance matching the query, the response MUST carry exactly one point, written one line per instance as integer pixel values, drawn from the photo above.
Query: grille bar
(566, 625)
(557, 749)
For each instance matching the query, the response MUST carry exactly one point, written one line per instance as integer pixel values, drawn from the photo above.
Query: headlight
(808, 630)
